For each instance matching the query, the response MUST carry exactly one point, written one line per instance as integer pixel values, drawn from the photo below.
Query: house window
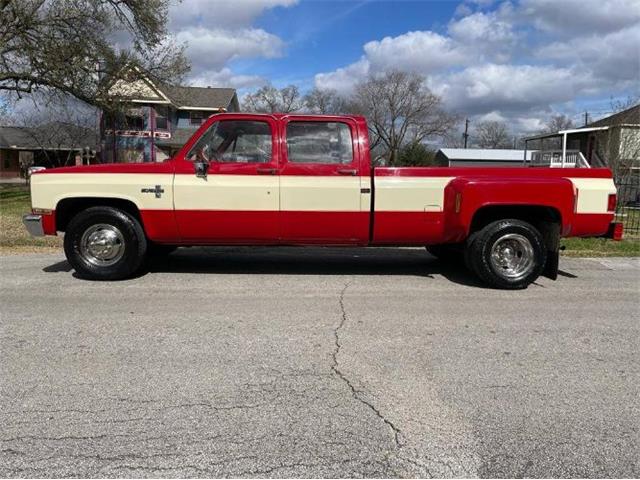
(319, 142)
(134, 119)
(162, 120)
(196, 118)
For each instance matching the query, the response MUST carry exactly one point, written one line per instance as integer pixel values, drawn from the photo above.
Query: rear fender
(464, 197)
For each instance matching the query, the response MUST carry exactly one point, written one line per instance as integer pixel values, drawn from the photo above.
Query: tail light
(611, 203)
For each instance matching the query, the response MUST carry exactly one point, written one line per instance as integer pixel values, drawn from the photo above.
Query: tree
(400, 110)
(416, 154)
(61, 128)
(325, 102)
(557, 123)
(620, 105)
(67, 47)
(269, 99)
(492, 134)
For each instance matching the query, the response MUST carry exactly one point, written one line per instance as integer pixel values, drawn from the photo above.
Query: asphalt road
(318, 363)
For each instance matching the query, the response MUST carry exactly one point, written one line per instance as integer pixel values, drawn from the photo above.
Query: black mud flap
(551, 234)
(552, 265)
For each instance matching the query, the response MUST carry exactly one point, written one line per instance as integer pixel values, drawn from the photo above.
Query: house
(478, 157)
(49, 145)
(613, 142)
(157, 118)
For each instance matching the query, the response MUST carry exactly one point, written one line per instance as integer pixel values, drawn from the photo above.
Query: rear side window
(319, 142)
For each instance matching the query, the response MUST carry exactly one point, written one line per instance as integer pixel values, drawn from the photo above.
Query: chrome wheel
(102, 245)
(512, 256)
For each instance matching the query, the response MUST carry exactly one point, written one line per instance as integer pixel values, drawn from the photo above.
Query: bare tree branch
(67, 46)
(401, 111)
(492, 134)
(269, 99)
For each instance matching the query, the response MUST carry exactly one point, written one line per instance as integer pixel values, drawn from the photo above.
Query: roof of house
(485, 154)
(198, 97)
(147, 88)
(630, 116)
(49, 136)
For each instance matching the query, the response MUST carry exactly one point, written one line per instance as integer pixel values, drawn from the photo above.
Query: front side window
(319, 142)
(234, 141)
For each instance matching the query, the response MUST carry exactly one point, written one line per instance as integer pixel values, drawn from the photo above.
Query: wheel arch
(531, 213)
(67, 208)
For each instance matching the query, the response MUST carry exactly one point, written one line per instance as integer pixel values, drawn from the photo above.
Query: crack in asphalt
(335, 367)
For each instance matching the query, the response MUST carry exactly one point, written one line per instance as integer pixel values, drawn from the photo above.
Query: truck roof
(295, 115)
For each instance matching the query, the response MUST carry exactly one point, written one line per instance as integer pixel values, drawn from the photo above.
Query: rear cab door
(324, 181)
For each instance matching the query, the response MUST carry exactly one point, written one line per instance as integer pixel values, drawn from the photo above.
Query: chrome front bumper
(33, 224)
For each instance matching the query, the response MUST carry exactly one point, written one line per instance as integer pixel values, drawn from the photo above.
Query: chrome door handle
(347, 171)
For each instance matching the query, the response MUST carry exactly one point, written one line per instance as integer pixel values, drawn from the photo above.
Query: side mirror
(201, 168)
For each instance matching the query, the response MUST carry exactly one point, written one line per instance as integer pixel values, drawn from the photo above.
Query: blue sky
(324, 35)
(519, 61)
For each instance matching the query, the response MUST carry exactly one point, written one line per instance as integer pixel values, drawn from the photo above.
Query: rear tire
(104, 243)
(508, 254)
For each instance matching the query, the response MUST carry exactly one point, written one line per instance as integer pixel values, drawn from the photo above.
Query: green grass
(600, 247)
(14, 202)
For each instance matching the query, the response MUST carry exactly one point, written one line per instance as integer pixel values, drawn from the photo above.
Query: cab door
(238, 200)
(321, 182)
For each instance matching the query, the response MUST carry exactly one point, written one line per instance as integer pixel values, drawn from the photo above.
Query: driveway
(318, 363)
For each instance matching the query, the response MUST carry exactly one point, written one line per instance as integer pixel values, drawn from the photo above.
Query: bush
(416, 154)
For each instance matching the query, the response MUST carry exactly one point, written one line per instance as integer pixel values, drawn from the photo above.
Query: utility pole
(586, 118)
(465, 135)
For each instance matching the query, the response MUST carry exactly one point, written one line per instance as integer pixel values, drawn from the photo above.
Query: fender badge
(158, 190)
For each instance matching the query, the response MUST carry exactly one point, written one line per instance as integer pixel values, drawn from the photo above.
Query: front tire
(508, 254)
(104, 243)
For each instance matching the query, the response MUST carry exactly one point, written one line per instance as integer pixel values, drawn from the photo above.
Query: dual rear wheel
(508, 254)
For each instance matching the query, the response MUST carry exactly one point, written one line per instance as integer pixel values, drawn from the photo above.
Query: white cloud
(226, 78)
(484, 35)
(216, 33)
(343, 79)
(577, 17)
(220, 14)
(510, 88)
(421, 52)
(613, 58)
(212, 49)
(416, 51)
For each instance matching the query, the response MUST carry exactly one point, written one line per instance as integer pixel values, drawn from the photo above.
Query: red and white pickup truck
(246, 179)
